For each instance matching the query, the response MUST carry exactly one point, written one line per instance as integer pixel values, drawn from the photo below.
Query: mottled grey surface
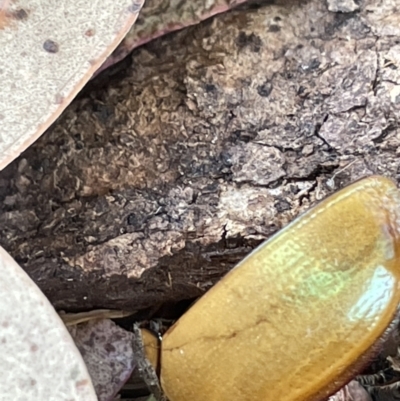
(108, 355)
(38, 359)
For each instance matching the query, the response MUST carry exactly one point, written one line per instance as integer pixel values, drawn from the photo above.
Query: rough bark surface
(155, 184)
(159, 17)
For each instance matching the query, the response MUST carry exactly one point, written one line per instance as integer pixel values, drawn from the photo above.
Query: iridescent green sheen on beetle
(294, 320)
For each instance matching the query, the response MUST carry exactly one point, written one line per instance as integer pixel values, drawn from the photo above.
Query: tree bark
(158, 180)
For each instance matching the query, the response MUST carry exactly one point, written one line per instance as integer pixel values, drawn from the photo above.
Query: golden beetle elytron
(298, 316)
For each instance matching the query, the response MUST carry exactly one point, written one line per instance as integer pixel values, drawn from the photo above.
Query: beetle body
(293, 319)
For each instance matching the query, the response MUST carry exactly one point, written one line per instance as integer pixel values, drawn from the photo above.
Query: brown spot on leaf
(50, 46)
(19, 14)
(59, 99)
(81, 383)
(7, 17)
(34, 347)
(90, 32)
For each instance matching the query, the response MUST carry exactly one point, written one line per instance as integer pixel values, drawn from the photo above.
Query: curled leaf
(48, 51)
(38, 358)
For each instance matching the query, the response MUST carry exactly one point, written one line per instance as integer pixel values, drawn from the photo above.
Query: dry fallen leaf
(38, 359)
(353, 391)
(48, 51)
(108, 354)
